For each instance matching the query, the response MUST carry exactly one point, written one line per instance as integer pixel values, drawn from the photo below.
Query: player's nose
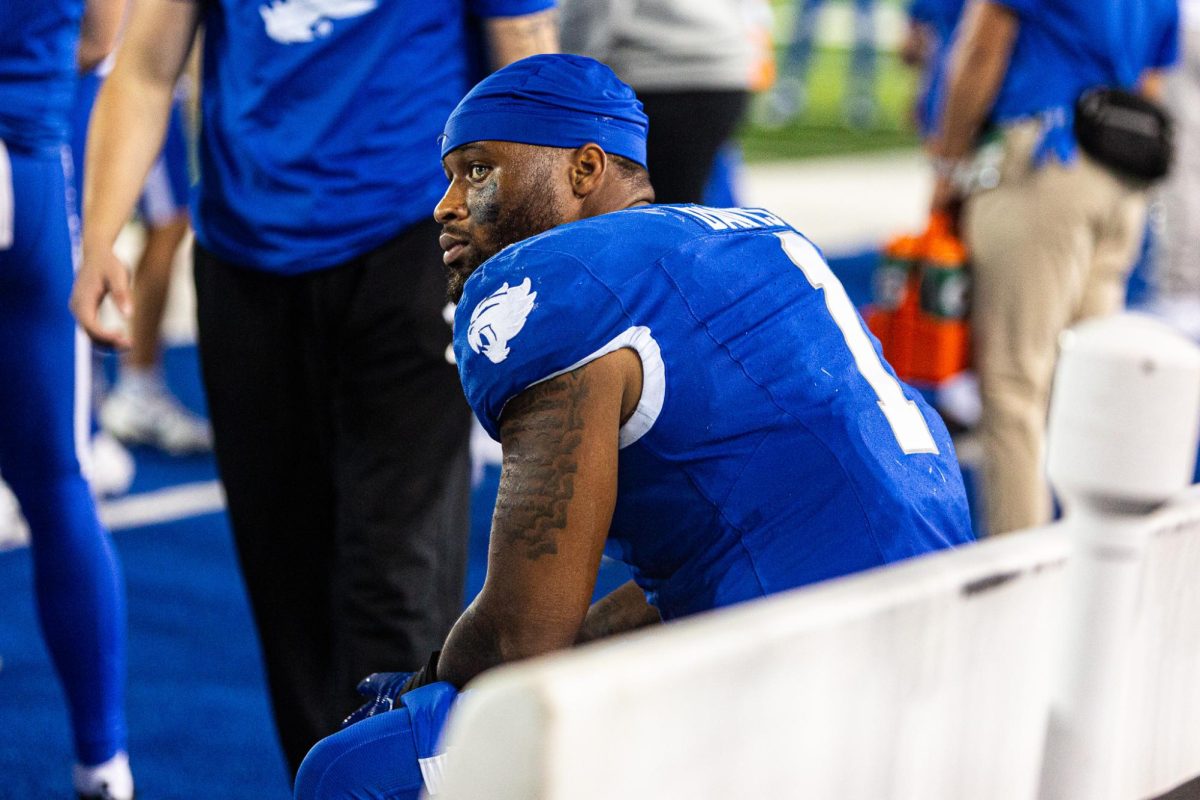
(452, 206)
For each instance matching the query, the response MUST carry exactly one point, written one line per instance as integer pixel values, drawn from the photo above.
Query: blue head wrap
(552, 101)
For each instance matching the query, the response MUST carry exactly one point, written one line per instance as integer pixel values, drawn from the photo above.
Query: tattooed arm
(558, 488)
(513, 38)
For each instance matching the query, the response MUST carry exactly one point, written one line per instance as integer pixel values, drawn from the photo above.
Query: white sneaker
(14, 531)
(154, 418)
(111, 470)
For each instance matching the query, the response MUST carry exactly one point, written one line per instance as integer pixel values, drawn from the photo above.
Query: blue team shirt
(38, 40)
(1066, 46)
(321, 122)
(760, 456)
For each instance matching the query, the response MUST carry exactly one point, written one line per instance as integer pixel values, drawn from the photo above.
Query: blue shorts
(390, 756)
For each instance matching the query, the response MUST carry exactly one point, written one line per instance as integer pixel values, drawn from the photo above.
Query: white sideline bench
(1163, 724)
(886, 684)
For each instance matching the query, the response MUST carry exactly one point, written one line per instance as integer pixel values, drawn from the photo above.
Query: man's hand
(100, 275)
(623, 609)
(947, 200)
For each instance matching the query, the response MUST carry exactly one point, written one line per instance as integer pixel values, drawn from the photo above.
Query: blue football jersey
(772, 445)
(321, 120)
(37, 72)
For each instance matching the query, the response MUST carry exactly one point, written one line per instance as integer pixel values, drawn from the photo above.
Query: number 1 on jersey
(902, 414)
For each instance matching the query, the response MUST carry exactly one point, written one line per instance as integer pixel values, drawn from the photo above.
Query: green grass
(822, 129)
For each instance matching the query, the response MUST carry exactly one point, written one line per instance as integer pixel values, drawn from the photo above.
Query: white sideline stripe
(162, 505)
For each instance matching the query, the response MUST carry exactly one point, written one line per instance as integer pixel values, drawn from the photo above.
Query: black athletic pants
(687, 128)
(341, 438)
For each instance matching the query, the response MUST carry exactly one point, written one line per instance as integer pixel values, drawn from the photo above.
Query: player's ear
(588, 165)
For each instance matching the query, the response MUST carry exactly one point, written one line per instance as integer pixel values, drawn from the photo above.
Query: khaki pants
(1049, 246)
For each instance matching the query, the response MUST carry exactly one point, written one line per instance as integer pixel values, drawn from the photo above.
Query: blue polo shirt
(1064, 47)
(321, 120)
(37, 72)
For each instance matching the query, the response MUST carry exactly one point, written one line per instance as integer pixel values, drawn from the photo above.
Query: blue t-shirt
(321, 120)
(772, 445)
(38, 41)
(1066, 46)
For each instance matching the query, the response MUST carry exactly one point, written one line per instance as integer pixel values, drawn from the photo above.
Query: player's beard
(534, 211)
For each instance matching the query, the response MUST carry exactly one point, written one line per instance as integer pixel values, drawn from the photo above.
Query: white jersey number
(902, 414)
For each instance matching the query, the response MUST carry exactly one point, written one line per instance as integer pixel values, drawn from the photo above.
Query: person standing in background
(691, 64)
(340, 429)
(1177, 262)
(1051, 230)
(45, 368)
(790, 96)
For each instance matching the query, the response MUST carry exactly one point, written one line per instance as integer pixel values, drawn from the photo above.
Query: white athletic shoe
(112, 468)
(154, 418)
(14, 531)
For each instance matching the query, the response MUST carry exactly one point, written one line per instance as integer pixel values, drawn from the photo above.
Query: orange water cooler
(919, 312)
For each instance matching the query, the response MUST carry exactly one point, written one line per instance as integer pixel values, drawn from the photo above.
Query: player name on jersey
(726, 219)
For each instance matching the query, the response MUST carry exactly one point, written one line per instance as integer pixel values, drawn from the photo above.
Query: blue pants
(43, 425)
(386, 757)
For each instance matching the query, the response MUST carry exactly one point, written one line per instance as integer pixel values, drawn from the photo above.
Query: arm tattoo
(543, 428)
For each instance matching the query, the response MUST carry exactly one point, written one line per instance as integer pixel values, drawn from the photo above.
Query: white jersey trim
(654, 380)
(433, 772)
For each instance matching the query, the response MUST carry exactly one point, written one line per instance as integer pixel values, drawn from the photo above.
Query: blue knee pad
(390, 756)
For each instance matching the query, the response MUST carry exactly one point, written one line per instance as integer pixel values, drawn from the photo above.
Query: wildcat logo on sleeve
(498, 318)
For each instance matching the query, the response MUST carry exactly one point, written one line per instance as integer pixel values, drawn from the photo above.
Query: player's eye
(478, 172)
